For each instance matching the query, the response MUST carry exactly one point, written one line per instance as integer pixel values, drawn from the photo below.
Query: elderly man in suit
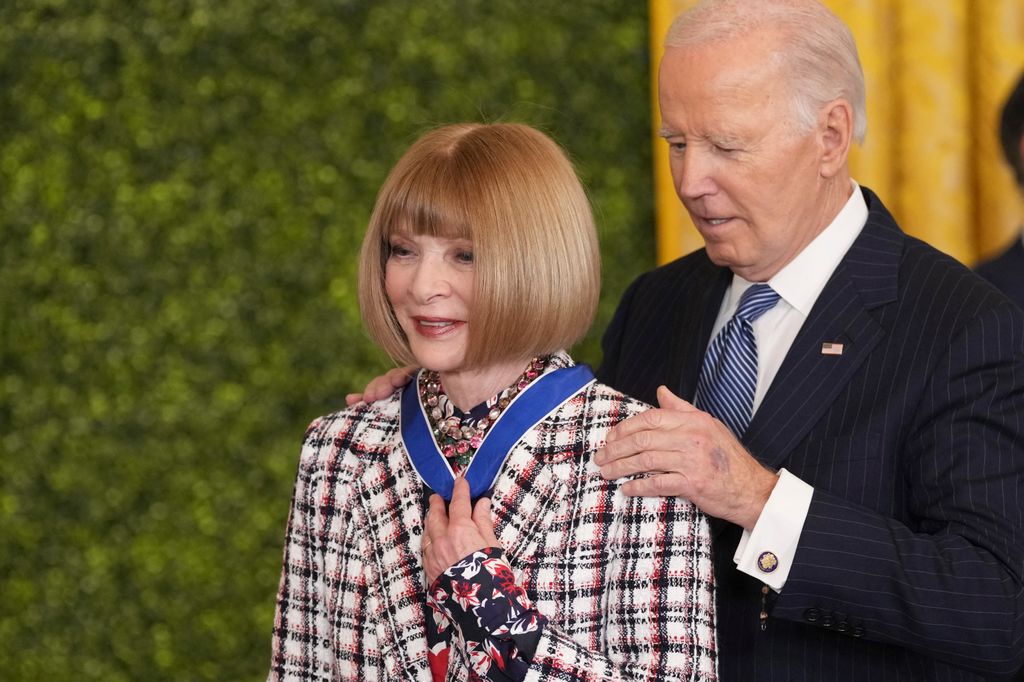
(854, 413)
(1006, 270)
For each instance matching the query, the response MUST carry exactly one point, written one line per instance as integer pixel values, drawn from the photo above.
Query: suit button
(812, 615)
(842, 626)
(827, 621)
(858, 631)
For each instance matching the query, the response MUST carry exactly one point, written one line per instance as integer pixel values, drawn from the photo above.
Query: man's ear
(836, 129)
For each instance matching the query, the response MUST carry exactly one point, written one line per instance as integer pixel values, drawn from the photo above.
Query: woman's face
(429, 281)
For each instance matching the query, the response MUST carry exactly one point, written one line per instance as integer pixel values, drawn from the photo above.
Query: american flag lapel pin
(831, 348)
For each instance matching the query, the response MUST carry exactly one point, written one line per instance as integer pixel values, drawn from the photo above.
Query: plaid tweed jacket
(626, 583)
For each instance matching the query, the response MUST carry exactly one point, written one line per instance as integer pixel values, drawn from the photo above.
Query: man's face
(749, 179)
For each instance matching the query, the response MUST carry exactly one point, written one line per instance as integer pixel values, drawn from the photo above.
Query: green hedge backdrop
(183, 188)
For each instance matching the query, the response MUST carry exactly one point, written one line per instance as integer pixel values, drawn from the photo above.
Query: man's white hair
(819, 58)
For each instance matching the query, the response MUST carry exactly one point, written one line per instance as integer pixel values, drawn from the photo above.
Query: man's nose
(693, 174)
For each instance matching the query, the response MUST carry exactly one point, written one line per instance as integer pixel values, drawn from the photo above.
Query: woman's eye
(464, 257)
(399, 251)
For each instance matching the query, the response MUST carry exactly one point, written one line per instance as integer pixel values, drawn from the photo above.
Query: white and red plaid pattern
(626, 583)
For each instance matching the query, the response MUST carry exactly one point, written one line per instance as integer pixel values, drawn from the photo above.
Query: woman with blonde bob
(459, 530)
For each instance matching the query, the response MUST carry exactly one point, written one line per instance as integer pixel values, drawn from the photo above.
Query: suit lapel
(694, 320)
(809, 381)
(391, 496)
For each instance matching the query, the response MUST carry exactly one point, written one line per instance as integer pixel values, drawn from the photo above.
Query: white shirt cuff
(767, 551)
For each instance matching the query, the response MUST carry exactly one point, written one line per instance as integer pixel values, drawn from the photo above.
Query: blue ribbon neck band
(529, 407)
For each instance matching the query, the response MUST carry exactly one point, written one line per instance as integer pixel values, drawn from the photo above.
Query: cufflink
(767, 562)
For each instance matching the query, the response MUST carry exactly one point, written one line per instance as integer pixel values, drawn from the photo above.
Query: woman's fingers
(459, 510)
(451, 535)
(484, 522)
(436, 524)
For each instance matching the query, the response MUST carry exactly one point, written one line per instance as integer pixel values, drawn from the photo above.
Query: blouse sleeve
(658, 607)
(495, 619)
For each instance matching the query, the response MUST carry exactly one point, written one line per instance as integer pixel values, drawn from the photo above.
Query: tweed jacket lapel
(391, 496)
(529, 491)
(527, 494)
(809, 381)
(524, 504)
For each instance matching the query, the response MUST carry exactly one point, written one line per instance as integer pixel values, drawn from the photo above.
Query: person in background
(460, 529)
(1006, 271)
(844, 400)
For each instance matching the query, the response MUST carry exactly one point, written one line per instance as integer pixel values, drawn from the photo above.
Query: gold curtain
(937, 72)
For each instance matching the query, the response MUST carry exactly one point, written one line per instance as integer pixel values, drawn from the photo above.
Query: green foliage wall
(183, 188)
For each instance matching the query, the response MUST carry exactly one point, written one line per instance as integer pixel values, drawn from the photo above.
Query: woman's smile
(436, 326)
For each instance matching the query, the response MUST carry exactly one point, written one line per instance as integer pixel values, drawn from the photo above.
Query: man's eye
(677, 146)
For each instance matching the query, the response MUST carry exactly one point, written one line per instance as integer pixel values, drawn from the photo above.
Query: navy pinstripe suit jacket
(911, 561)
(1006, 271)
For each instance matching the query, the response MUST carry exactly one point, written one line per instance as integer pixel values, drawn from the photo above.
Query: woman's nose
(430, 281)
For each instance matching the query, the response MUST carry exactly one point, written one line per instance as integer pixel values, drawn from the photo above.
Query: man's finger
(670, 401)
(646, 440)
(652, 420)
(613, 451)
(661, 485)
(383, 386)
(378, 389)
(646, 462)
(400, 376)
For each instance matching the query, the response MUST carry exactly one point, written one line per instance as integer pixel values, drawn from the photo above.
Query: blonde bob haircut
(512, 192)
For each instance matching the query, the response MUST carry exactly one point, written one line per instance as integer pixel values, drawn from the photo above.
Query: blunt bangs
(427, 199)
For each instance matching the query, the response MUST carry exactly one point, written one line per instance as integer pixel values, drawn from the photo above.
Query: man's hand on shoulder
(382, 386)
(688, 453)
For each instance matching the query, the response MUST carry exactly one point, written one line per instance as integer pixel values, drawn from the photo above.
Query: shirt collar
(800, 282)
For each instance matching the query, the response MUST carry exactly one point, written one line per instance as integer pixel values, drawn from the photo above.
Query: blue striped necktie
(728, 376)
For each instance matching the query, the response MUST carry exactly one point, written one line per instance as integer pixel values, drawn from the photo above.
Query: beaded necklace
(459, 434)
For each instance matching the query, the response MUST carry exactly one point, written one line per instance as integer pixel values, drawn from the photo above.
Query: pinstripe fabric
(625, 582)
(910, 564)
(1006, 271)
(728, 375)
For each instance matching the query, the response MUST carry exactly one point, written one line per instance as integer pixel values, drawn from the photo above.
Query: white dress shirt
(798, 284)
